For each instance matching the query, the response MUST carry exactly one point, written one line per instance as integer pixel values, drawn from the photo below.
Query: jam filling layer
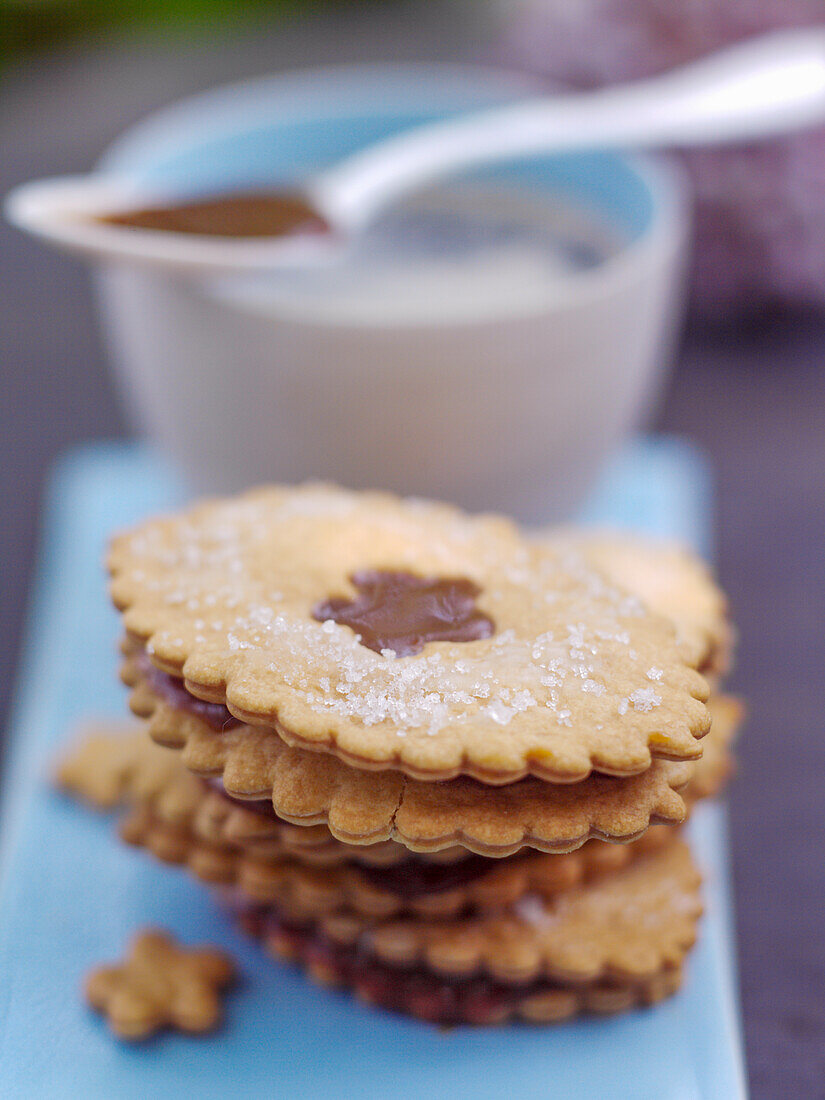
(398, 613)
(417, 992)
(172, 691)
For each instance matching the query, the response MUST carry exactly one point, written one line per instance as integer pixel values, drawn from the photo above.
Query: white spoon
(764, 87)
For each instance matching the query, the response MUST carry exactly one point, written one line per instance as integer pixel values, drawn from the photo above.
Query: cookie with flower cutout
(443, 1000)
(408, 636)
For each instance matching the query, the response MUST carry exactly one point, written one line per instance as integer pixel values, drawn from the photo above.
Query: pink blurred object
(761, 208)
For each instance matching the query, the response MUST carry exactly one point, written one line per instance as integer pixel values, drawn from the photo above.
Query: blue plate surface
(70, 895)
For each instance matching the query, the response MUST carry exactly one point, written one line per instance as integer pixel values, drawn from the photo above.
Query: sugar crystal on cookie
(459, 603)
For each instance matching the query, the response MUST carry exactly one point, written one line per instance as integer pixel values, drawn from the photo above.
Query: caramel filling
(172, 691)
(241, 214)
(400, 612)
(414, 991)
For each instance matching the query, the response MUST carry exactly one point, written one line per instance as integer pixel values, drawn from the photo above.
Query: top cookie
(407, 635)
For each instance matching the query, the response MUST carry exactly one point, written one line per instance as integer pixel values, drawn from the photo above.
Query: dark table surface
(755, 400)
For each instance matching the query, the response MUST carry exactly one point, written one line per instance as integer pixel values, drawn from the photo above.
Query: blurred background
(748, 384)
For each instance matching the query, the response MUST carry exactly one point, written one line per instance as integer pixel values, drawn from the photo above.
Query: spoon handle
(763, 87)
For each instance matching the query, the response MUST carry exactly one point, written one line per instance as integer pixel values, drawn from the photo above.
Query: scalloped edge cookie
(113, 764)
(626, 926)
(309, 892)
(248, 752)
(444, 1002)
(358, 807)
(579, 675)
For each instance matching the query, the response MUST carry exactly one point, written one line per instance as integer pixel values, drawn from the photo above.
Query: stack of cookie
(426, 756)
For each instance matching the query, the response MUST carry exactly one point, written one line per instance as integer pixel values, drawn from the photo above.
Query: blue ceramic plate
(71, 896)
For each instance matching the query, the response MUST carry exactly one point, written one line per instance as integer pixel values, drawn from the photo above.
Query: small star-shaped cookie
(161, 984)
(112, 763)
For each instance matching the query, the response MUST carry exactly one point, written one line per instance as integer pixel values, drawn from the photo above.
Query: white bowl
(514, 410)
